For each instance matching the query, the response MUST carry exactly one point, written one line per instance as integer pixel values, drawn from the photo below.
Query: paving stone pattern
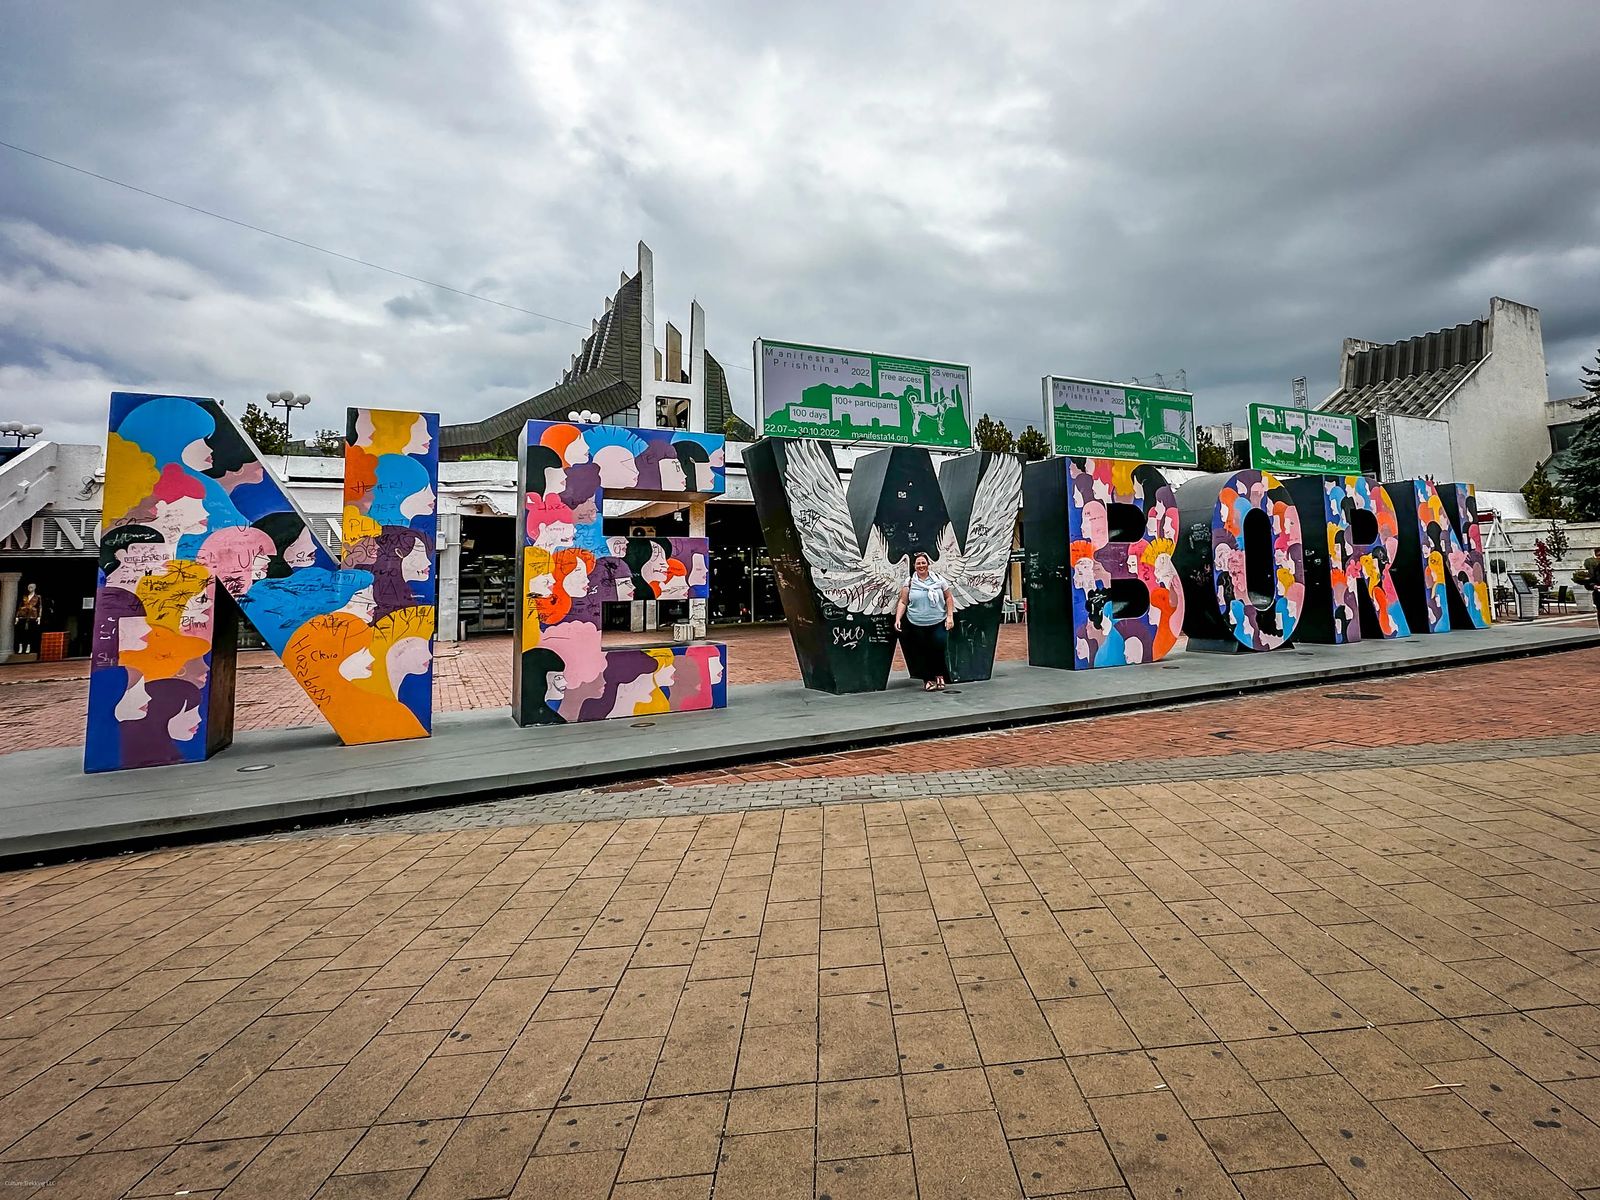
(1513, 698)
(1370, 979)
(44, 704)
(624, 801)
(1530, 706)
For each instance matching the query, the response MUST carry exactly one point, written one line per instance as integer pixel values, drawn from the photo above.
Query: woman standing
(923, 619)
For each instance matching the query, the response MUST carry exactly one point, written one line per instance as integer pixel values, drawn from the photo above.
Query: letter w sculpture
(842, 555)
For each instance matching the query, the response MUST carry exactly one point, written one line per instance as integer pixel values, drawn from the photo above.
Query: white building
(1466, 403)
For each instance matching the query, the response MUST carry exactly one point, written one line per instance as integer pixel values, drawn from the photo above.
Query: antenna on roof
(1178, 381)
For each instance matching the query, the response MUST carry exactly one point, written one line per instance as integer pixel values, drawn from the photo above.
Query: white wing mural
(866, 583)
(978, 573)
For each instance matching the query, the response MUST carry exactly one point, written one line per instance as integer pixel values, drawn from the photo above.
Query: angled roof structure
(1411, 377)
(604, 377)
(607, 375)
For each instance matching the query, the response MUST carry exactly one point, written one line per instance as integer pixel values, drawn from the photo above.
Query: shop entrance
(66, 586)
(488, 575)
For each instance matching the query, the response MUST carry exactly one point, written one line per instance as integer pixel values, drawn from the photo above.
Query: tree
(1558, 541)
(269, 433)
(1582, 477)
(1541, 495)
(1212, 457)
(1591, 385)
(1542, 566)
(329, 443)
(1581, 473)
(1031, 444)
(993, 436)
(737, 429)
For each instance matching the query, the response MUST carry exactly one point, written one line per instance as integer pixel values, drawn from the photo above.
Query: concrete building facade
(1467, 402)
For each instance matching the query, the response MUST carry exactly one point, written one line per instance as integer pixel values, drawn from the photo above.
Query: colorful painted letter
(1350, 591)
(569, 568)
(1242, 559)
(1114, 587)
(1440, 563)
(189, 505)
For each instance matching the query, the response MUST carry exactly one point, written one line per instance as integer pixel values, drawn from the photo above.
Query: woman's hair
(541, 458)
(146, 741)
(658, 451)
(559, 438)
(690, 455)
(622, 667)
(285, 528)
(641, 550)
(229, 451)
(537, 666)
(583, 481)
(600, 436)
(111, 604)
(115, 540)
(639, 554)
(923, 554)
(391, 590)
(556, 607)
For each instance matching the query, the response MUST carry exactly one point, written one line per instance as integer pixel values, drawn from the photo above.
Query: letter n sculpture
(570, 567)
(1439, 565)
(197, 530)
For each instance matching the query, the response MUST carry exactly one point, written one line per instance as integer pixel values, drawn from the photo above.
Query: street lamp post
(287, 401)
(585, 415)
(20, 432)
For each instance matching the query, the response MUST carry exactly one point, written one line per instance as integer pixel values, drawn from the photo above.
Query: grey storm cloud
(1109, 190)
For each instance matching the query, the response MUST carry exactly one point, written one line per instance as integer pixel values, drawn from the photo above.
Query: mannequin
(30, 612)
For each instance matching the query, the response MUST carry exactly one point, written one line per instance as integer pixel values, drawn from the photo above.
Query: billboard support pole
(1049, 416)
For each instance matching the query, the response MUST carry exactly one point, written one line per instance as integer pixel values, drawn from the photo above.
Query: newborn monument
(1120, 568)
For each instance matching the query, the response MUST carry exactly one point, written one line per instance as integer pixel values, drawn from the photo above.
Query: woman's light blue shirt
(925, 601)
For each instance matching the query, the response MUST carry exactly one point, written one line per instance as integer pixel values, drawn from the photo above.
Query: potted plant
(1587, 578)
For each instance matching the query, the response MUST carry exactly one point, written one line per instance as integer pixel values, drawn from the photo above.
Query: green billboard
(1088, 418)
(853, 396)
(1293, 441)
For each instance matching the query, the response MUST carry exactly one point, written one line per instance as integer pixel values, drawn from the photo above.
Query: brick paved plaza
(1358, 956)
(44, 704)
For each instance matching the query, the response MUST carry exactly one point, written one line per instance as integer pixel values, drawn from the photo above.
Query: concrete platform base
(48, 806)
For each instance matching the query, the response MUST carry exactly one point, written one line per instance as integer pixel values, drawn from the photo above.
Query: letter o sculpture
(1242, 559)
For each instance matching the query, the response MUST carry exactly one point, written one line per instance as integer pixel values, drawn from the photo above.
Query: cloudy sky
(1107, 189)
